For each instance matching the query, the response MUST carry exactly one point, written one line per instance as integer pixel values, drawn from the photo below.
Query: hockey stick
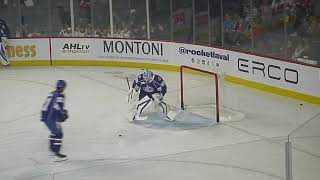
(131, 93)
(128, 83)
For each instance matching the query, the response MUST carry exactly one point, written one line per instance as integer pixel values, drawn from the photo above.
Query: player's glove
(64, 116)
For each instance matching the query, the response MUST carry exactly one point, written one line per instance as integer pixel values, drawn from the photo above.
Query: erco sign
(268, 70)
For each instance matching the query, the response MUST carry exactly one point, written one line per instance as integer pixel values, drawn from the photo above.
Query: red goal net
(199, 92)
(206, 94)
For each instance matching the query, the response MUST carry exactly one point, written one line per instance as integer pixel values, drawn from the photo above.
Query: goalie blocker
(147, 89)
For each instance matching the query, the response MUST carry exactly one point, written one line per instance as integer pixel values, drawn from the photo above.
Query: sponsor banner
(28, 49)
(290, 76)
(72, 49)
(280, 74)
(207, 58)
(155, 52)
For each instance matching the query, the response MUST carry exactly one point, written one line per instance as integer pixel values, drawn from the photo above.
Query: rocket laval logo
(76, 48)
(204, 53)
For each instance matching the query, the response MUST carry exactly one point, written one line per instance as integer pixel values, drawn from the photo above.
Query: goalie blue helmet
(147, 75)
(61, 84)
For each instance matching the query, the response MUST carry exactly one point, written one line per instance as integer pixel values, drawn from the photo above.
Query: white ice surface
(189, 148)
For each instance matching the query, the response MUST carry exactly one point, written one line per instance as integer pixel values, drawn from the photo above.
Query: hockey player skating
(151, 89)
(4, 35)
(53, 114)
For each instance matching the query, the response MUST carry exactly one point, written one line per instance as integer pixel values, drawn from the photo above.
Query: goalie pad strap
(144, 106)
(164, 109)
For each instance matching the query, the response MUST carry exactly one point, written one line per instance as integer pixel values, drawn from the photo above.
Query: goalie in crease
(151, 89)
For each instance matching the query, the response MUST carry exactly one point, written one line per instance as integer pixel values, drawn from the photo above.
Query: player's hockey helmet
(61, 84)
(147, 75)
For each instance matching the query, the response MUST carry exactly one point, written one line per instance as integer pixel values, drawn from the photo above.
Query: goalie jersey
(53, 107)
(155, 85)
(4, 29)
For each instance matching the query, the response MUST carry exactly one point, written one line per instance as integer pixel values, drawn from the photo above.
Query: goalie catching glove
(64, 116)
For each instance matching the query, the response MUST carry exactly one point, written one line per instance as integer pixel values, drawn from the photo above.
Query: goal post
(213, 85)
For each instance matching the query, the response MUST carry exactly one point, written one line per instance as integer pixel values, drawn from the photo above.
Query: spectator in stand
(80, 32)
(228, 25)
(35, 33)
(64, 15)
(85, 11)
(25, 30)
(240, 30)
(18, 33)
(67, 32)
(3, 3)
(106, 32)
(300, 51)
(159, 31)
(290, 48)
(314, 27)
(95, 32)
(266, 13)
(62, 32)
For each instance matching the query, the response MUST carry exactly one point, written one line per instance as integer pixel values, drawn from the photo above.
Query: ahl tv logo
(76, 48)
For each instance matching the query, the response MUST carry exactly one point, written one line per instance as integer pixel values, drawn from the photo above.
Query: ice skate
(60, 157)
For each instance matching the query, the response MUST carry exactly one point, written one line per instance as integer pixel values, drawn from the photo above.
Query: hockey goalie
(4, 35)
(147, 90)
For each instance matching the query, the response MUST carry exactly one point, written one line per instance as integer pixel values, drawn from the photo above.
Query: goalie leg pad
(3, 55)
(137, 108)
(164, 108)
(170, 115)
(141, 106)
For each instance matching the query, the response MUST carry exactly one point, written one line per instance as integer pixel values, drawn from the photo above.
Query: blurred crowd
(274, 27)
(281, 28)
(120, 30)
(125, 25)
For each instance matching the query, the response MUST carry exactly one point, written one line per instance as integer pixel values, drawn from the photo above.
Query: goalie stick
(130, 95)
(128, 83)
